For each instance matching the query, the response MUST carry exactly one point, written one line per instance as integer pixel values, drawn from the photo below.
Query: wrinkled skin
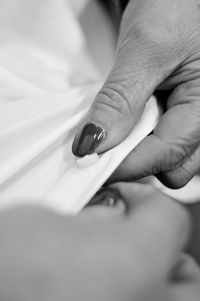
(103, 254)
(158, 49)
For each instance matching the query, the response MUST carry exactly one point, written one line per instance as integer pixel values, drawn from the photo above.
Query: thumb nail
(88, 139)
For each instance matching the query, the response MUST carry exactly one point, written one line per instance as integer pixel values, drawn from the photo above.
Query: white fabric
(82, 183)
(43, 63)
(46, 87)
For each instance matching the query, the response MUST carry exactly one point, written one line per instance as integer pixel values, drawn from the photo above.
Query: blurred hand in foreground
(99, 255)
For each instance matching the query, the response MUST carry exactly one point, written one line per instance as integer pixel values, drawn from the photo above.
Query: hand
(108, 257)
(158, 49)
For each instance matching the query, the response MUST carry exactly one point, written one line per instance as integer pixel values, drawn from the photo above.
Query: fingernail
(88, 139)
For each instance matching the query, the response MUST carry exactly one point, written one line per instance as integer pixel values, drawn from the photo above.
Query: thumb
(136, 72)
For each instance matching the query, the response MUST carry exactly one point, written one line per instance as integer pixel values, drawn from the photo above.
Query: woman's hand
(158, 49)
(99, 255)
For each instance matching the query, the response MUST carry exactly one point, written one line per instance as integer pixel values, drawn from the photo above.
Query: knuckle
(114, 96)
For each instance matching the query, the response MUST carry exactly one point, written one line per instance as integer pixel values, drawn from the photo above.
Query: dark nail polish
(87, 139)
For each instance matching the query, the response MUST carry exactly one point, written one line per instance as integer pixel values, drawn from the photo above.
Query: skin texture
(102, 254)
(158, 49)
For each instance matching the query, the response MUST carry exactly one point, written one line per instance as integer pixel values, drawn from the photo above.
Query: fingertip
(172, 179)
(88, 138)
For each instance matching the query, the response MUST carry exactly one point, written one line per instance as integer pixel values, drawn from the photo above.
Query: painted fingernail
(88, 139)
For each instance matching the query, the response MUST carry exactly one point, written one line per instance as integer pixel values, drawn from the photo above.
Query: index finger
(175, 138)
